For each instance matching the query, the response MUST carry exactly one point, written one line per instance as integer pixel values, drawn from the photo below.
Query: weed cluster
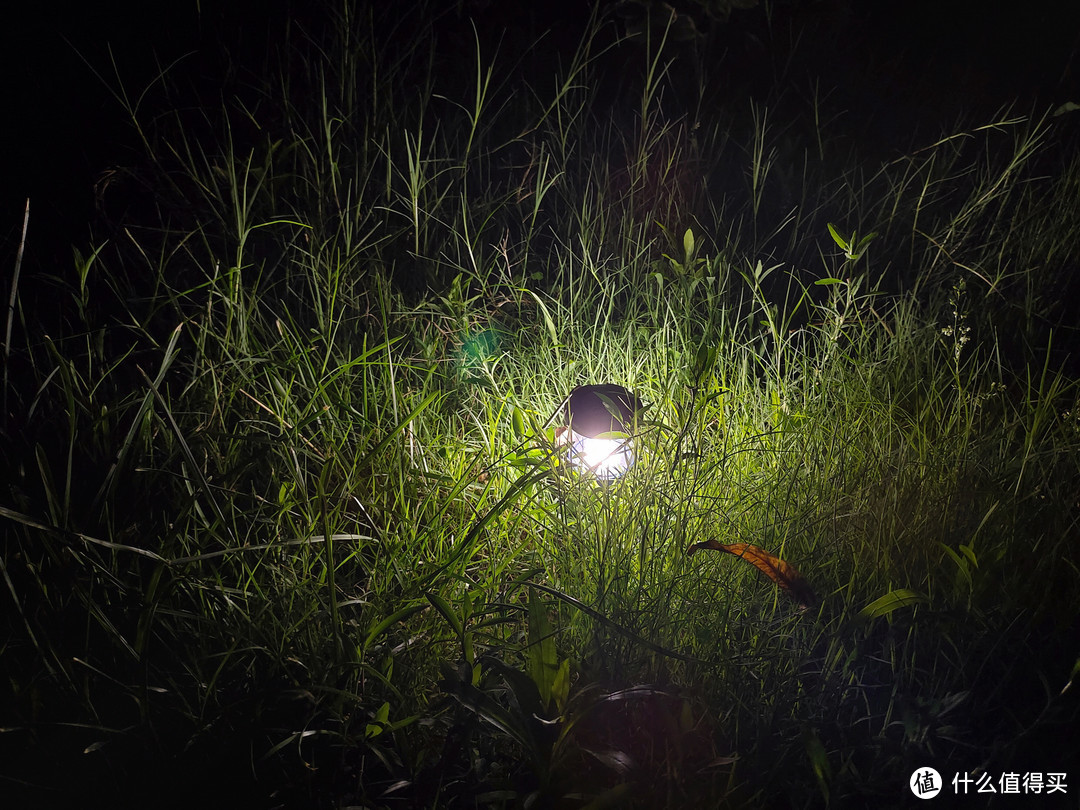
(284, 510)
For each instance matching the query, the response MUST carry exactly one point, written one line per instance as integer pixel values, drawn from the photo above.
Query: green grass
(284, 514)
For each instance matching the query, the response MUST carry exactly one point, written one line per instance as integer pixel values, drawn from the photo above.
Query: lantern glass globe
(600, 421)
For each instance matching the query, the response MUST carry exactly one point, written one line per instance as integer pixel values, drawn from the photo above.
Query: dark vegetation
(283, 521)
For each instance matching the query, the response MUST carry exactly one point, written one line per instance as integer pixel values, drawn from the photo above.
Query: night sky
(891, 67)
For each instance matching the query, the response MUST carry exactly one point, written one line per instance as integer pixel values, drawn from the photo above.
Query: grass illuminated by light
(286, 502)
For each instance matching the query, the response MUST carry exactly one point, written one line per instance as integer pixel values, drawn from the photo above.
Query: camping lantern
(600, 420)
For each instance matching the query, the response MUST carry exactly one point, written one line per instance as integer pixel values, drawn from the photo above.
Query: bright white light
(606, 458)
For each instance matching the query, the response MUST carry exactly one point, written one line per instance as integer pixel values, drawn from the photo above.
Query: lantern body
(600, 421)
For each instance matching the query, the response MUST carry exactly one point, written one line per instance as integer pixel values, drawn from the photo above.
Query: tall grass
(284, 511)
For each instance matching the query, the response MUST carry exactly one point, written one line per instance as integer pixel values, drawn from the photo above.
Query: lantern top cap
(593, 410)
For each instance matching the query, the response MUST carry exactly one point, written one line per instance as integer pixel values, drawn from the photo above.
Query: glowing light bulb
(606, 458)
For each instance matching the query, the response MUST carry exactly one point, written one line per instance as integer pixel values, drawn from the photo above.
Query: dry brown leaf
(783, 574)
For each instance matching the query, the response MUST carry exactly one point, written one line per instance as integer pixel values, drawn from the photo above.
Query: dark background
(896, 71)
